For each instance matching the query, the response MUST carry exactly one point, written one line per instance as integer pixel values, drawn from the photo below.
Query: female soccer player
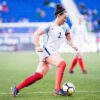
(79, 32)
(53, 33)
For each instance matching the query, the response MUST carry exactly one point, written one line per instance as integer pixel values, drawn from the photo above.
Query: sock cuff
(80, 58)
(62, 63)
(75, 58)
(39, 75)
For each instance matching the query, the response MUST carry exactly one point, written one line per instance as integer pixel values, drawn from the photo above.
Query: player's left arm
(68, 37)
(69, 41)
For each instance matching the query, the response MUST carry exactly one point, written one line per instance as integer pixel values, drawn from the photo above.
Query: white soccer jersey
(53, 37)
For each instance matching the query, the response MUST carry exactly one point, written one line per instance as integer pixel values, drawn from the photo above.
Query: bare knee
(78, 55)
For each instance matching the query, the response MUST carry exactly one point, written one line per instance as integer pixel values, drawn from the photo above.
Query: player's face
(63, 17)
(80, 19)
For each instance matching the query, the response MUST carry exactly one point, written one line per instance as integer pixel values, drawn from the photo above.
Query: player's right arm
(37, 35)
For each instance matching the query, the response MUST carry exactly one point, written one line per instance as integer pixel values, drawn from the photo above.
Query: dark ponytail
(59, 9)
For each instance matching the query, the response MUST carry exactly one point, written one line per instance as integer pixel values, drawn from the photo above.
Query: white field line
(48, 92)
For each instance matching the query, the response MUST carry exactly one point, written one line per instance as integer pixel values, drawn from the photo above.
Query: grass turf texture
(16, 66)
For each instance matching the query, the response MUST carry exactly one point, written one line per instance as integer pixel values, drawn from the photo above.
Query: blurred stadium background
(18, 21)
(20, 18)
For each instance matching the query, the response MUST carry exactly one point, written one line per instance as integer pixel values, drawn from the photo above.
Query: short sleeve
(45, 28)
(67, 29)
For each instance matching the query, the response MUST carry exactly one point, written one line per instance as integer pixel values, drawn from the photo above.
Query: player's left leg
(42, 69)
(73, 64)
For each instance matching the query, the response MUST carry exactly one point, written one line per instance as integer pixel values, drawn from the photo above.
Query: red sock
(30, 80)
(74, 62)
(59, 75)
(81, 64)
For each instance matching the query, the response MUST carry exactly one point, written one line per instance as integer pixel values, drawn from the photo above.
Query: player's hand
(75, 48)
(39, 49)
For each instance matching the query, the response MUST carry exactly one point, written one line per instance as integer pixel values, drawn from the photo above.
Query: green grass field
(16, 66)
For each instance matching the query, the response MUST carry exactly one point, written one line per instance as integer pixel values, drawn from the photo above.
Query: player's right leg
(42, 69)
(56, 60)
